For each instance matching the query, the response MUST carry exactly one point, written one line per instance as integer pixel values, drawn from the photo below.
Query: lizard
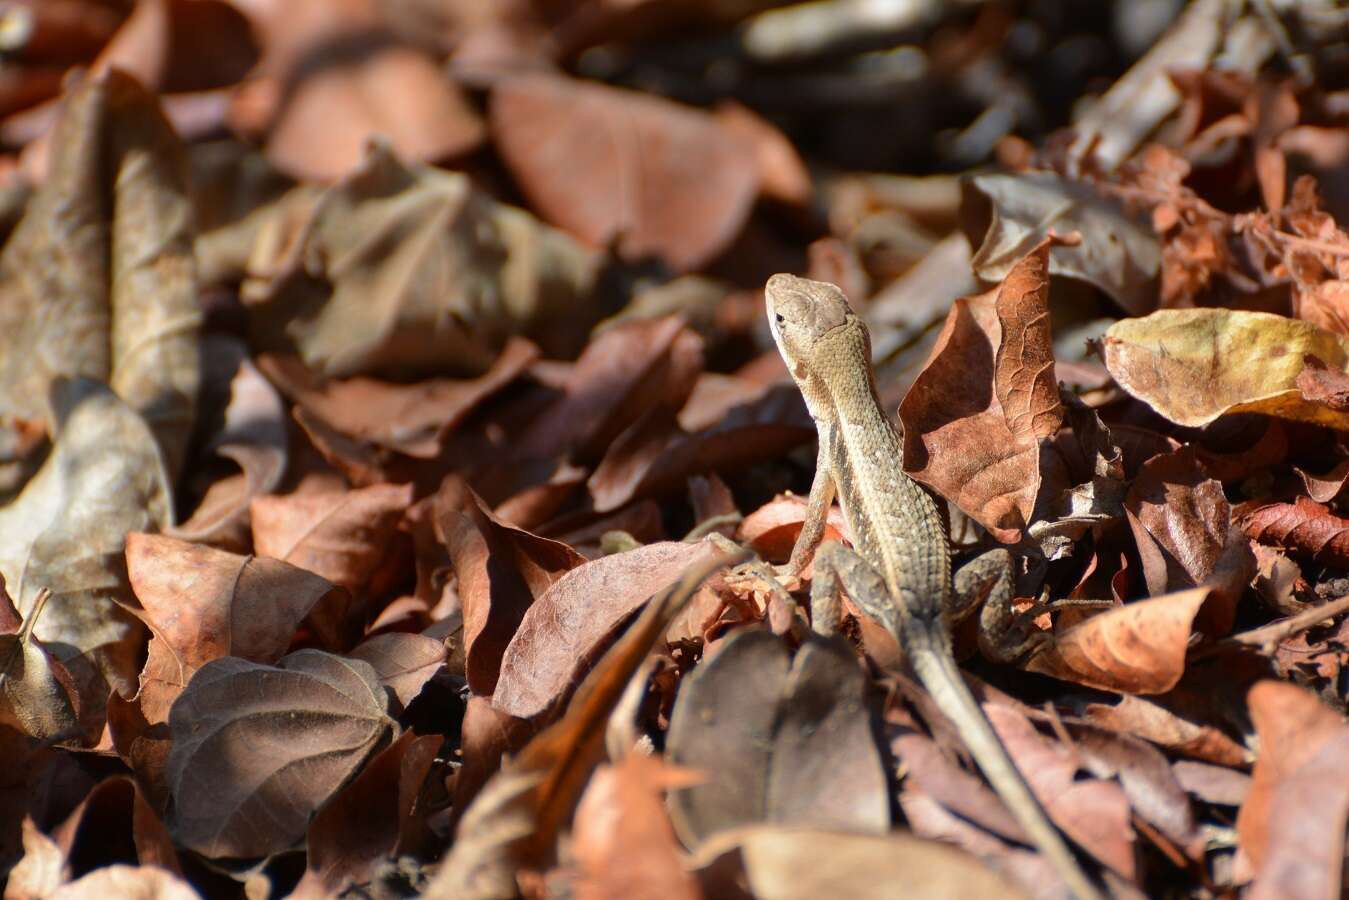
(899, 570)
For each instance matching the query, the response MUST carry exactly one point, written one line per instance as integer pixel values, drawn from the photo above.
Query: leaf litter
(382, 386)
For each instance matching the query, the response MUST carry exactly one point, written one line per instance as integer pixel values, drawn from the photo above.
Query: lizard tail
(940, 675)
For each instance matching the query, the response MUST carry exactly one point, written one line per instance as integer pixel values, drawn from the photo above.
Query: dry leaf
(257, 749)
(975, 416)
(796, 863)
(567, 622)
(1180, 520)
(1137, 648)
(98, 277)
(206, 603)
(37, 695)
(141, 882)
(1303, 527)
(779, 739)
(1194, 365)
(1006, 217)
(403, 662)
(656, 178)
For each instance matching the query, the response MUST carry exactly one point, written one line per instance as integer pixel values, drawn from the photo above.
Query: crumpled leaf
(257, 749)
(1303, 527)
(1194, 365)
(780, 739)
(36, 693)
(206, 603)
(1180, 520)
(403, 269)
(975, 416)
(787, 862)
(1293, 823)
(105, 477)
(657, 178)
(1138, 648)
(98, 278)
(251, 433)
(567, 622)
(1006, 217)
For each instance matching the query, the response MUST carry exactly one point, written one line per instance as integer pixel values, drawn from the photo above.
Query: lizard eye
(778, 316)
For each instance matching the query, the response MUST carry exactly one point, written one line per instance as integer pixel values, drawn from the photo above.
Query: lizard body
(900, 571)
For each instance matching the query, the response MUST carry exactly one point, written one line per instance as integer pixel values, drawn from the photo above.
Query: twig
(1274, 632)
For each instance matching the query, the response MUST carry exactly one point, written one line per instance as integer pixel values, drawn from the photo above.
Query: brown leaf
(624, 844)
(105, 477)
(404, 269)
(1007, 217)
(1194, 365)
(780, 739)
(98, 277)
(361, 824)
(1137, 648)
(1152, 721)
(782, 174)
(795, 863)
(1180, 519)
(251, 433)
(657, 178)
(257, 749)
(1304, 528)
(345, 537)
(37, 694)
(413, 418)
(41, 871)
(514, 822)
(403, 662)
(959, 437)
(569, 620)
(501, 571)
(371, 87)
(771, 529)
(206, 603)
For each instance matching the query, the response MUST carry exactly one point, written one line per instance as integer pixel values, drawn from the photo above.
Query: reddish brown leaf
(1153, 722)
(1304, 528)
(1180, 519)
(1137, 648)
(566, 624)
(501, 571)
(257, 749)
(658, 178)
(206, 603)
(625, 845)
(771, 529)
(960, 437)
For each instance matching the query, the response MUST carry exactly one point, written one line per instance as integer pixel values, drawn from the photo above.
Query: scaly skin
(900, 572)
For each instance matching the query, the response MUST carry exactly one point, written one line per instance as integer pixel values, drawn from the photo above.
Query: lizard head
(800, 312)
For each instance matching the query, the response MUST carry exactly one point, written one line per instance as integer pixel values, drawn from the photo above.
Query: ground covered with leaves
(384, 385)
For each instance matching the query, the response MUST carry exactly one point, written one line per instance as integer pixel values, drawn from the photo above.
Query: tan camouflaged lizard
(900, 570)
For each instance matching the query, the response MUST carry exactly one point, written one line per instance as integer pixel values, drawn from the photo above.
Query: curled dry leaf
(1006, 217)
(657, 178)
(98, 278)
(779, 739)
(404, 269)
(1180, 520)
(403, 662)
(975, 416)
(413, 418)
(565, 625)
(257, 749)
(786, 862)
(501, 571)
(1303, 527)
(514, 822)
(1194, 365)
(250, 431)
(105, 477)
(624, 843)
(37, 695)
(771, 529)
(206, 603)
(1138, 648)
